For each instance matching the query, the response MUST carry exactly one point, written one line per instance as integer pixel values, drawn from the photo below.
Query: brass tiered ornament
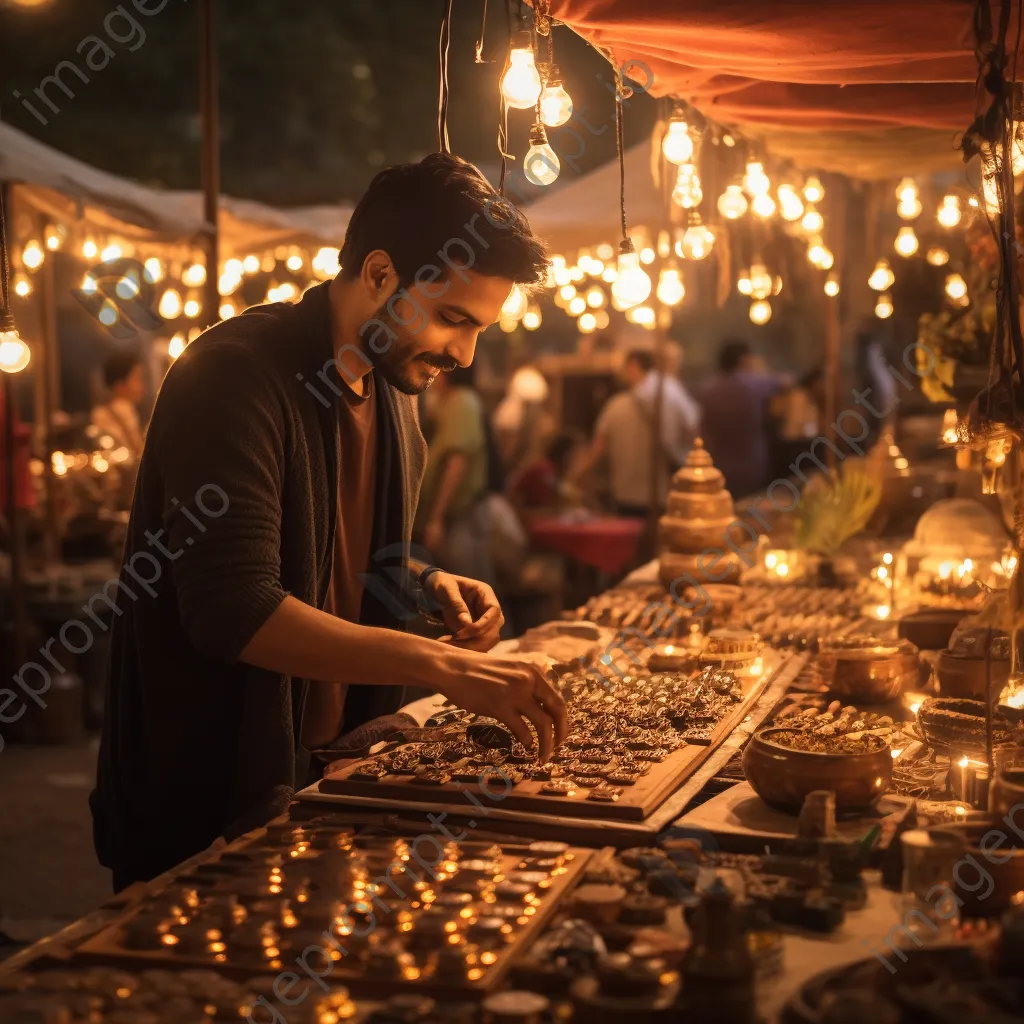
(700, 516)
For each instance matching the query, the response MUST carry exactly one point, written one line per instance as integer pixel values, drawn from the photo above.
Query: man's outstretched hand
(469, 609)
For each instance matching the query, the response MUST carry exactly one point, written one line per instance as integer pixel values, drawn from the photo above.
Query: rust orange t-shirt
(322, 717)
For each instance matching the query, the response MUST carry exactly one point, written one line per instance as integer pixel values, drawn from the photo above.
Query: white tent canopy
(59, 187)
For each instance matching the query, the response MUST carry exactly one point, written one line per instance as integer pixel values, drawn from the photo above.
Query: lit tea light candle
(882, 611)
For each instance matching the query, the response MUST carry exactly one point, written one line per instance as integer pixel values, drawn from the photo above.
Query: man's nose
(463, 351)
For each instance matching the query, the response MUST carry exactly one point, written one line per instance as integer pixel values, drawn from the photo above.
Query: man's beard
(396, 362)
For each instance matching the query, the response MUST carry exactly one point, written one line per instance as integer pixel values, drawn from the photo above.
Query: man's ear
(378, 276)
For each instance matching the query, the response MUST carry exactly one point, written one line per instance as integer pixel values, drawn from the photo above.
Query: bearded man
(267, 573)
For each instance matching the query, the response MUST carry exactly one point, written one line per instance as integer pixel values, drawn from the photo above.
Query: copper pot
(866, 670)
(783, 777)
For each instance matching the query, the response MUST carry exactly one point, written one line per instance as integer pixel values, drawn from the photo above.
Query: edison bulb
(763, 205)
(760, 311)
(883, 308)
(176, 346)
(227, 310)
(791, 206)
(194, 276)
(595, 297)
(688, 192)
(153, 270)
(540, 164)
(814, 191)
(671, 290)
(744, 285)
(516, 304)
(632, 285)
(755, 181)
(832, 286)
(111, 253)
(882, 277)
(677, 144)
(732, 203)
(191, 309)
(567, 291)
(520, 84)
(937, 256)
(587, 323)
(949, 212)
(90, 249)
(577, 305)
(14, 353)
(644, 316)
(251, 264)
(906, 190)
(531, 321)
(555, 104)
(760, 281)
(909, 209)
(825, 259)
(697, 242)
(32, 255)
(812, 221)
(55, 235)
(22, 286)
(956, 287)
(906, 243)
(170, 304)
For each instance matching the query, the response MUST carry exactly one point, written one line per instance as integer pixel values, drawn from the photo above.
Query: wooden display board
(634, 805)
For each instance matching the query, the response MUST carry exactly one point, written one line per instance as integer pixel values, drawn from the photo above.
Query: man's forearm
(301, 641)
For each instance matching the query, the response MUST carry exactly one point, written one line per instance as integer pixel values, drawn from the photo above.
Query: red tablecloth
(607, 543)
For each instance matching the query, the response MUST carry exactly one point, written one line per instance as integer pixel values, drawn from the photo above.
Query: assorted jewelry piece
(619, 728)
(365, 909)
(797, 617)
(643, 608)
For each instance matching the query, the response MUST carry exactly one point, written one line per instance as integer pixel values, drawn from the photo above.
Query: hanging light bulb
(832, 285)
(520, 84)
(906, 190)
(949, 212)
(32, 255)
(251, 263)
(760, 312)
(170, 304)
(587, 323)
(191, 309)
(647, 255)
(909, 209)
(956, 287)
(906, 243)
(555, 102)
(791, 206)
(22, 286)
(812, 221)
(111, 253)
(89, 285)
(294, 262)
(55, 235)
(595, 297)
(763, 205)
(14, 353)
(540, 164)
(820, 255)
(732, 203)
(610, 273)
(671, 290)
(688, 192)
(755, 181)
(883, 307)
(760, 281)
(698, 240)
(882, 277)
(664, 244)
(601, 319)
(567, 292)
(577, 305)
(532, 318)
(153, 270)
(90, 249)
(176, 346)
(605, 251)
(814, 191)
(632, 285)
(744, 285)
(644, 316)
(227, 310)
(194, 276)
(937, 256)
(677, 144)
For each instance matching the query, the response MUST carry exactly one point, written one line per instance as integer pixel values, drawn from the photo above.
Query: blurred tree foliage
(315, 96)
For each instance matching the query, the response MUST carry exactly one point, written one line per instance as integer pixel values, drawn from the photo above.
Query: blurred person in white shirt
(119, 417)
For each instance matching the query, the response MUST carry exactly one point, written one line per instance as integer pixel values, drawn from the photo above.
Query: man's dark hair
(731, 354)
(643, 358)
(413, 211)
(118, 367)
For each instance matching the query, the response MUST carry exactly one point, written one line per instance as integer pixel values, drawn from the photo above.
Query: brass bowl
(862, 670)
(783, 777)
(964, 677)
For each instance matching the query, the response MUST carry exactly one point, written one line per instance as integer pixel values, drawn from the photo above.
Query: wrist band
(427, 573)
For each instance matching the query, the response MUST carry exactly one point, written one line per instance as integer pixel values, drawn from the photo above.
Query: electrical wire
(620, 150)
(5, 269)
(443, 45)
(480, 42)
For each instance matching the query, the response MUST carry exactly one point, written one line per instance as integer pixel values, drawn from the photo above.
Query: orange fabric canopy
(854, 74)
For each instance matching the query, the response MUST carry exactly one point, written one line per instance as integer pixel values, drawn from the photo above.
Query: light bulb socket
(626, 246)
(522, 40)
(550, 75)
(693, 219)
(538, 136)
(7, 321)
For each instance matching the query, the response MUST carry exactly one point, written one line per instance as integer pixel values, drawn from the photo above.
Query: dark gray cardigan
(196, 744)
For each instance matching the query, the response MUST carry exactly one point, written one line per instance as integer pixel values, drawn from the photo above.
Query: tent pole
(209, 116)
(47, 401)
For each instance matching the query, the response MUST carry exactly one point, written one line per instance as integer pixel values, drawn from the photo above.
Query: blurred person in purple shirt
(735, 418)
